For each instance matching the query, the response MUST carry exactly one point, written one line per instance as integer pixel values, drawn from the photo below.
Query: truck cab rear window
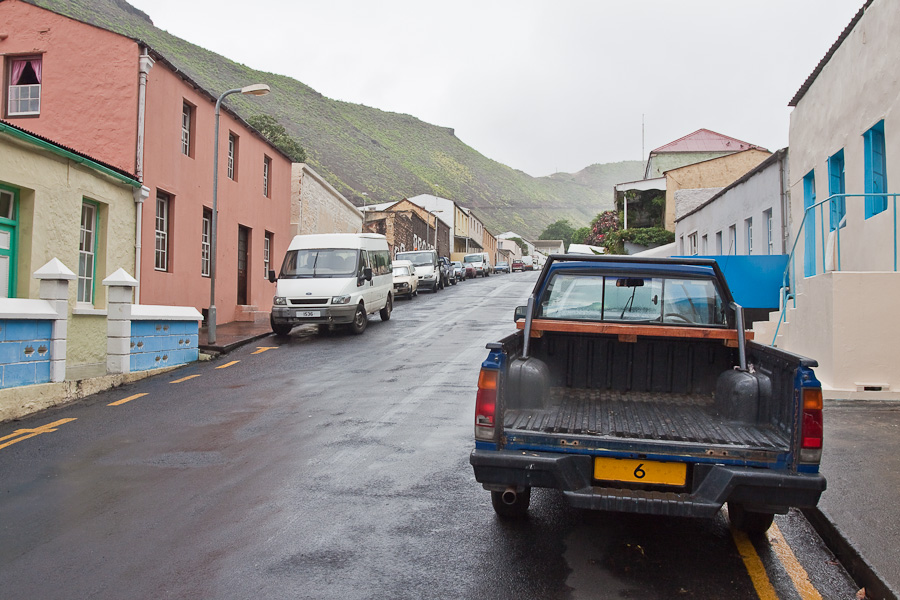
(667, 301)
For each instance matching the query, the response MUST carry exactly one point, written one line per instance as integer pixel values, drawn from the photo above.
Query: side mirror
(519, 313)
(272, 277)
(367, 273)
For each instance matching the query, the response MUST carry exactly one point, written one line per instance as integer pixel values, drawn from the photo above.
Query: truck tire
(752, 523)
(280, 329)
(385, 313)
(517, 509)
(360, 320)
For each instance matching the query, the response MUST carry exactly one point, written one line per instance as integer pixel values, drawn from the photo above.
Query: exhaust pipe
(509, 495)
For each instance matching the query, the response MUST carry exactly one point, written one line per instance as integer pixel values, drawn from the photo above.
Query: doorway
(242, 264)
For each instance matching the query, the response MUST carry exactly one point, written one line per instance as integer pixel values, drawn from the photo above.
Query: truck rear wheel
(751, 523)
(511, 505)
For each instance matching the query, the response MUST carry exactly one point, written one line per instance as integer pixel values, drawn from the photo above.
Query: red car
(517, 265)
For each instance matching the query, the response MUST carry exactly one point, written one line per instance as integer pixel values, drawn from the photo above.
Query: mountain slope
(359, 149)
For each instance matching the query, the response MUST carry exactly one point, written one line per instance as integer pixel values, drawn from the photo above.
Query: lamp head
(257, 89)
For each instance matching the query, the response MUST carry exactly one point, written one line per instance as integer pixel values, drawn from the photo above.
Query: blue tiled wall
(156, 344)
(24, 352)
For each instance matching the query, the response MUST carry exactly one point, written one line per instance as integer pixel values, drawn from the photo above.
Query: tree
(276, 133)
(522, 245)
(561, 230)
(581, 235)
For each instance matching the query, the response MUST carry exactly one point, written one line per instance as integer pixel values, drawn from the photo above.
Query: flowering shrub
(603, 224)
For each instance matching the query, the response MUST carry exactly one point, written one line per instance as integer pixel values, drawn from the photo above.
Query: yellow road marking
(793, 567)
(128, 399)
(23, 434)
(184, 379)
(261, 349)
(226, 365)
(754, 566)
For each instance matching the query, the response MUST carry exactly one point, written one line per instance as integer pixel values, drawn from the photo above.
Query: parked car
(333, 278)
(459, 271)
(470, 270)
(480, 262)
(517, 265)
(528, 263)
(428, 268)
(406, 282)
(501, 267)
(447, 271)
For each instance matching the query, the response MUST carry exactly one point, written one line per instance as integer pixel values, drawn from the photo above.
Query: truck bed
(641, 415)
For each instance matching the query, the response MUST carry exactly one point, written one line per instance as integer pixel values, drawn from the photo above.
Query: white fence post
(118, 324)
(55, 278)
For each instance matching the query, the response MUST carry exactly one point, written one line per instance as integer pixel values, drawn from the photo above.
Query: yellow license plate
(640, 471)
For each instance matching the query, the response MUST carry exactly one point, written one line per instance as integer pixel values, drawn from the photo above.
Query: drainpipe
(144, 65)
(785, 210)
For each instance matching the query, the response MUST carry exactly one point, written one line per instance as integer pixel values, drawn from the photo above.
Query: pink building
(125, 104)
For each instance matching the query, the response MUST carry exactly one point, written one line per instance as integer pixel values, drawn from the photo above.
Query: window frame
(162, 234)
(205, 242)
(267, 175)
(809, 235)
(732, 231)
(232, 163)
(95, 221)
(719, 243)
(9, 85)
(748, 229)
(837, 184)
(268, 242)
(13, 225)
(189, 114)
(875, 169)
(770, 240)
(693, 248)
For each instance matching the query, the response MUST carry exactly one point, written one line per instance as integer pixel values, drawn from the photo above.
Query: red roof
(704, 140)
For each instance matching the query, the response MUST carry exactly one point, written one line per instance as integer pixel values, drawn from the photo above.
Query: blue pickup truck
(632, 385)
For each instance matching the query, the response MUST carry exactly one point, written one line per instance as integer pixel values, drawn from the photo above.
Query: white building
(845, 143)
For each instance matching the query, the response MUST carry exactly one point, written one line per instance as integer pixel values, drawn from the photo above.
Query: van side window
(363, 262)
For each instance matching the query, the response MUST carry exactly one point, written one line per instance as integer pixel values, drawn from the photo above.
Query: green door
(7, 244)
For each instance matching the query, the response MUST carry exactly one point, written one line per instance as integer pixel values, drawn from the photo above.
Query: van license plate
(640, 471)
(308, 313)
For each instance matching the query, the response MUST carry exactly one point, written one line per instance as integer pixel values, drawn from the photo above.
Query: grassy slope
(387, 155)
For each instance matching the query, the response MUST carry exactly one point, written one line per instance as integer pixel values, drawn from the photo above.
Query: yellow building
(58, 203)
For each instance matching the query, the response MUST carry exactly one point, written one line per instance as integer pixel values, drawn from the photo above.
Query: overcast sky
(538, 85)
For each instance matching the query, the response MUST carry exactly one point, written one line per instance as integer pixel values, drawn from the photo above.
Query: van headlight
(340, 299)
(279, 301)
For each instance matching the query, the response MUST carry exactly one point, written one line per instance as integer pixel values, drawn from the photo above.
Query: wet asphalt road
(336, 466)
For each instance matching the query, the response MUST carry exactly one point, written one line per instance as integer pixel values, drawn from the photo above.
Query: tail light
(486, 404)
(812, 429)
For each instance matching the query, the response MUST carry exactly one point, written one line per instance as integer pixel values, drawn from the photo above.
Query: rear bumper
(708, 488)
(327, 314)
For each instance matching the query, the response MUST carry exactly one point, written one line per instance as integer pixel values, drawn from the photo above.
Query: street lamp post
(434, 213)
(257, 89)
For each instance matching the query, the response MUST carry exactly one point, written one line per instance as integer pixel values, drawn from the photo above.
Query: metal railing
(789, 279)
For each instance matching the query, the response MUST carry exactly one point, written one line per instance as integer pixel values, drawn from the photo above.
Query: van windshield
(320, 262)
(473, 258)
(419, 259)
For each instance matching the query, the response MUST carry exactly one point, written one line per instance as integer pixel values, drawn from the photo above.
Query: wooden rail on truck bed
(630, 333)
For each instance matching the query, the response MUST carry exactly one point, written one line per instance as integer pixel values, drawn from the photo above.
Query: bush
(649, 236)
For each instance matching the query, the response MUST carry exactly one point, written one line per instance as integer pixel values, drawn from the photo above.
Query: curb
(226, 348)
(849, 556)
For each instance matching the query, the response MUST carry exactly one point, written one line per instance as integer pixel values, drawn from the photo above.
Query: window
(205, 237)
(809, 224)
(24, 94)
(267, 254)
(162, 231)
(692, 244)
(681, 245)
(732, 233)
(704, 244)
(719, 243)
(87, 252)
(232, 156)
(748, 227)
(836, 187)
(8, 242)
(770, 242)
(267, 170)
(187, 128)
(876, 170)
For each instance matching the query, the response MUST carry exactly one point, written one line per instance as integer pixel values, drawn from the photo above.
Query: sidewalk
(858, 515)
(232, 335)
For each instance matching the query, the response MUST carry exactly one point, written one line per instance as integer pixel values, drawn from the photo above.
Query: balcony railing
(24, 100)
(789, 279)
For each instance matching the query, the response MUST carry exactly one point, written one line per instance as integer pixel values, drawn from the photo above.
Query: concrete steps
(251, 314)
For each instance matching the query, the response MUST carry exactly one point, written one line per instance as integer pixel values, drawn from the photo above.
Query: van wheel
(515, 509)
(385, 313)
(360, 320)
(323, 328)
(280, 329)
(751, 523)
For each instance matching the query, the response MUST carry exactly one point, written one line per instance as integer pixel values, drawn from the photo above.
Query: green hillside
(386, 155)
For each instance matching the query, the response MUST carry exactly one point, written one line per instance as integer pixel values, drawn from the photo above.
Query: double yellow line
(757, 570)
(23, 434)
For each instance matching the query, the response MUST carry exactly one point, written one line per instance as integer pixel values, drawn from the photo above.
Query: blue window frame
(809, 226)
(836, 185)
(876, 170)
